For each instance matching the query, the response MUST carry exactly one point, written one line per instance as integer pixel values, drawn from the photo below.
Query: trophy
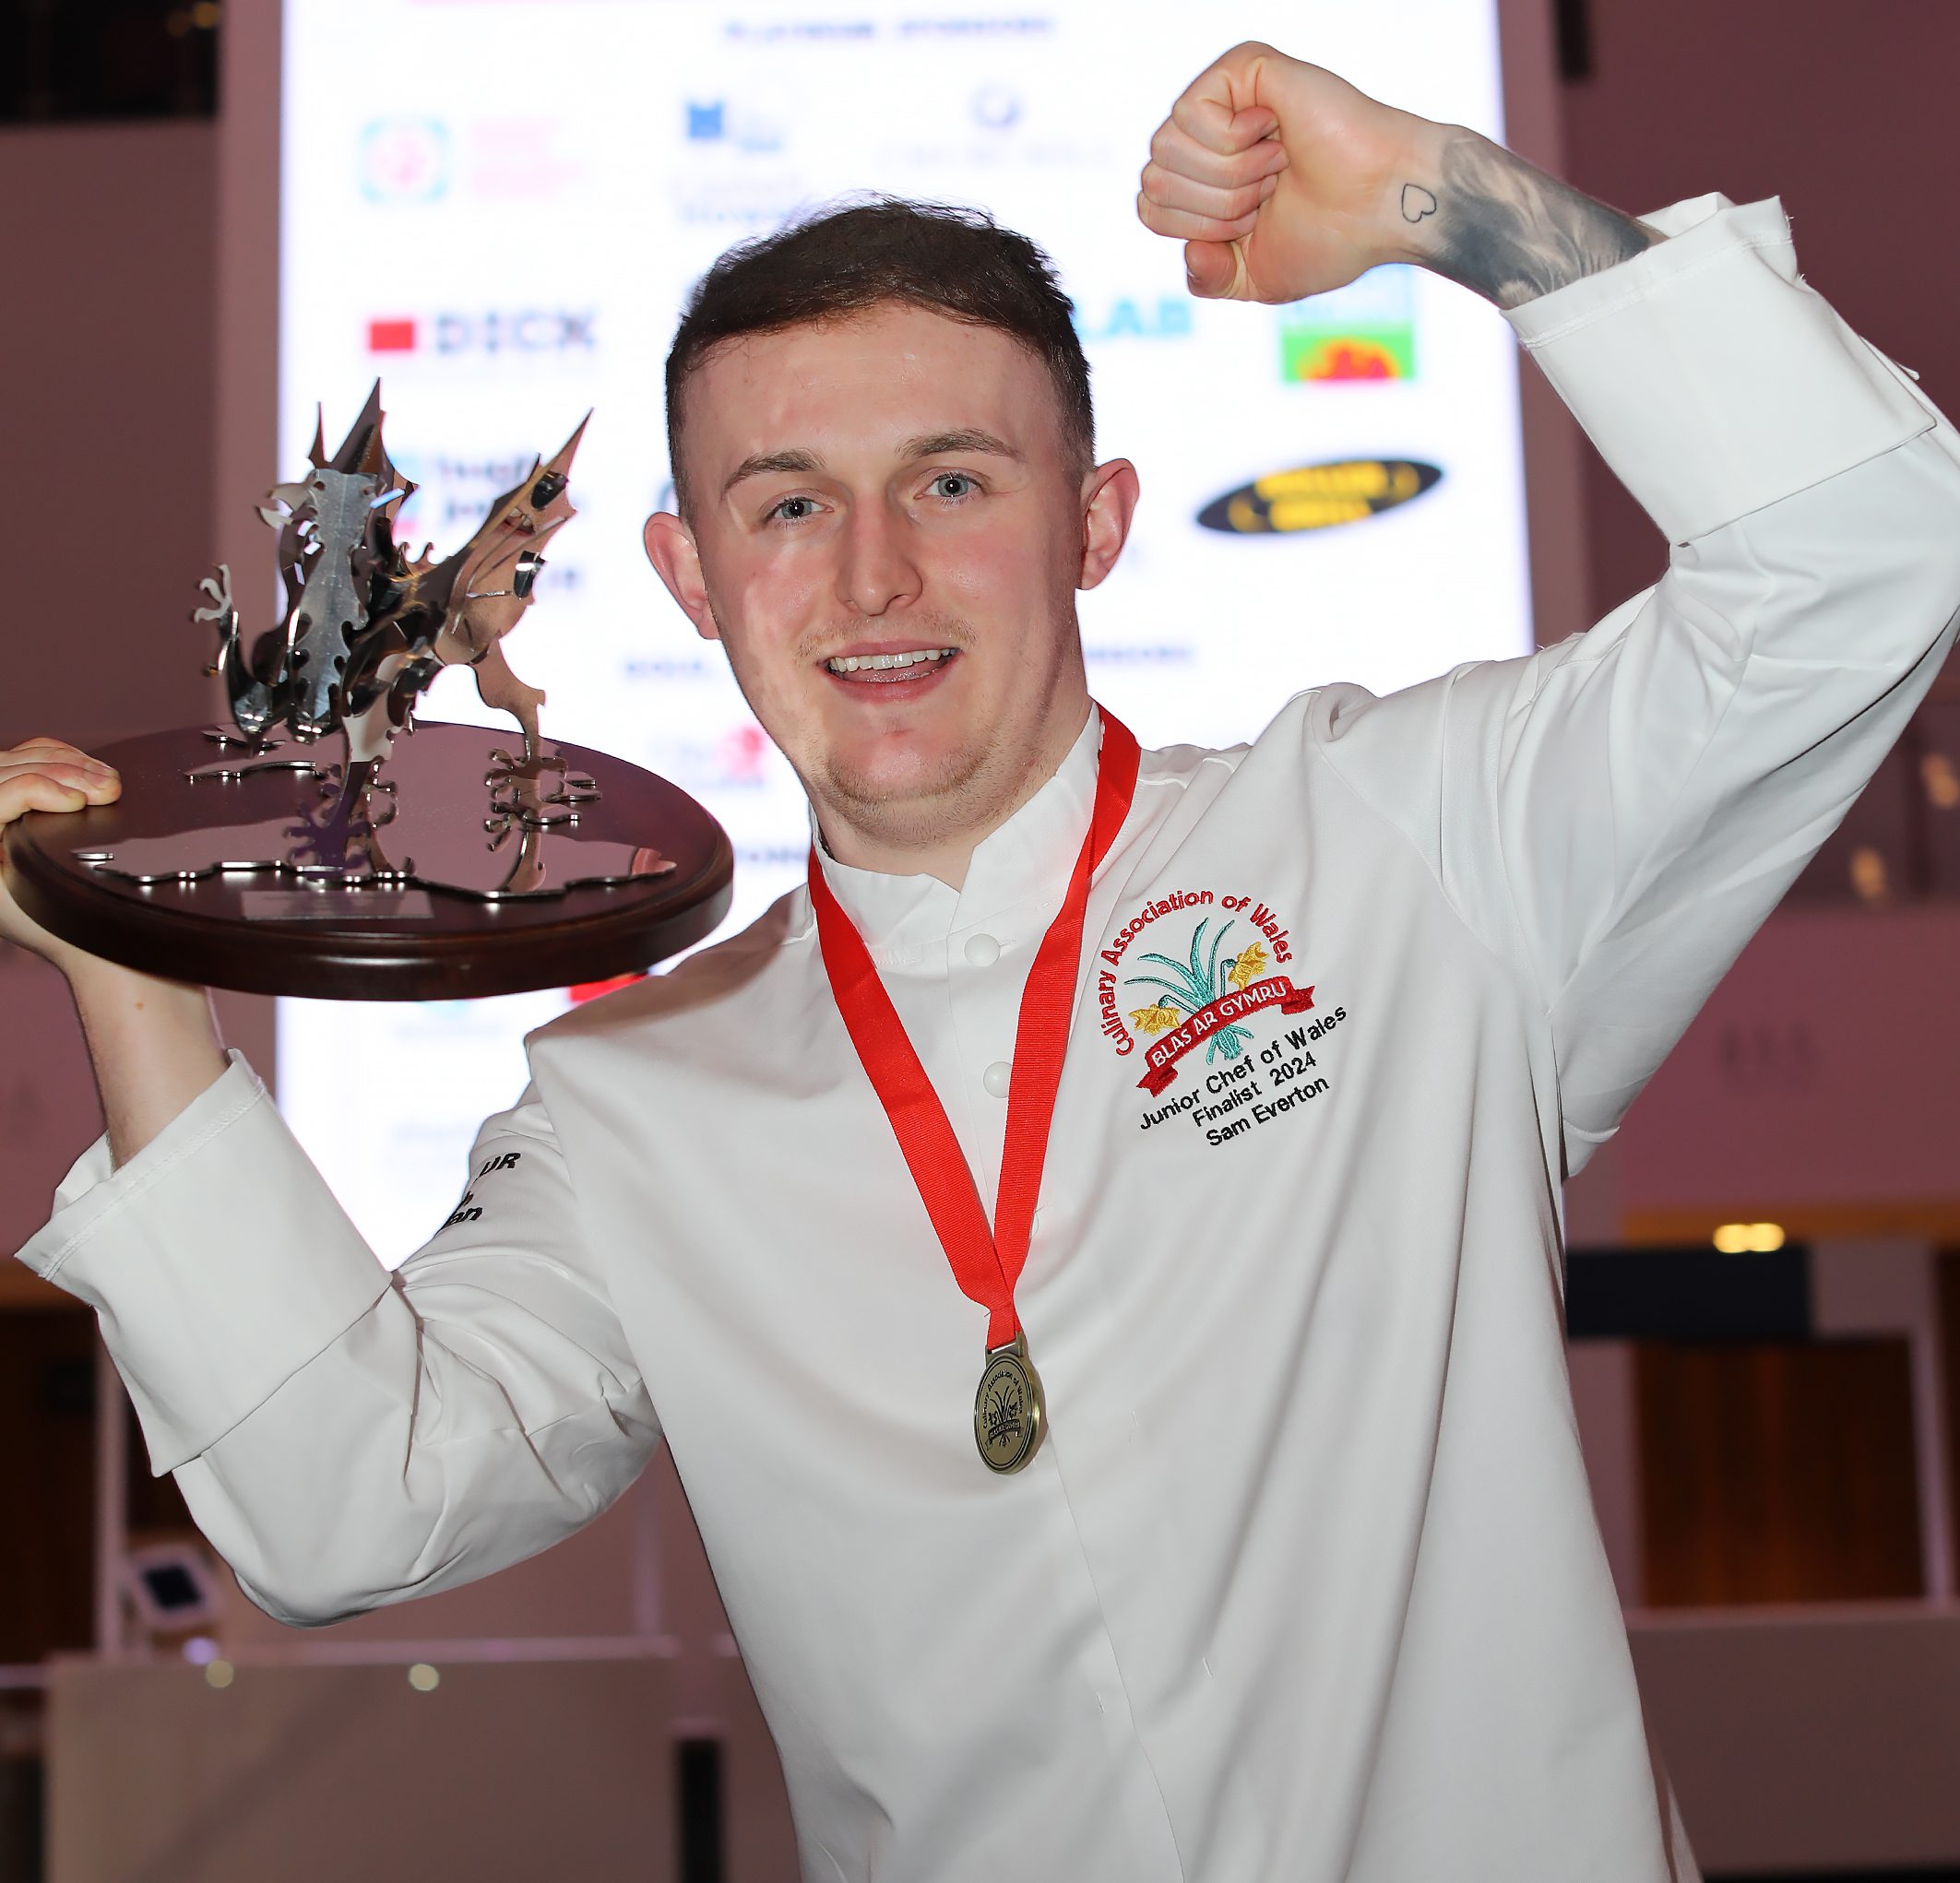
(326, 844)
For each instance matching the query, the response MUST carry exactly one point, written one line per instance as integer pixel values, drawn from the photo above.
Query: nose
(878, 569)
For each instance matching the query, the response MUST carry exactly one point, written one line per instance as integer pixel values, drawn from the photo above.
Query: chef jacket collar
(1018, 870)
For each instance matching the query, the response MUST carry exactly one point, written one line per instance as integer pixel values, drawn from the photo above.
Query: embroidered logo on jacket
(1208, 995)
(1200, 998)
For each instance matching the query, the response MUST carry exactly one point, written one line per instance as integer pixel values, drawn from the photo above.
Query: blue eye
(959, 478)
(793, 510)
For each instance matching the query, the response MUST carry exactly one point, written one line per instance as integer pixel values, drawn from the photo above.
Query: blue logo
(995, 107)
(714, 121)
(1168, 318)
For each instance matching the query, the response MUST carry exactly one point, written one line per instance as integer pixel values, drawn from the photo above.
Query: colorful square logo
(1365, 331)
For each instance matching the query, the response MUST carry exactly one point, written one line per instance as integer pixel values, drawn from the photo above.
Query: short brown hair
(843, 261)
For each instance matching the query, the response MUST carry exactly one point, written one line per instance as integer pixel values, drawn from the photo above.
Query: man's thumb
(1212, 269)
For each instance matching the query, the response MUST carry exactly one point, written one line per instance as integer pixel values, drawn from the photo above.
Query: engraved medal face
(1008, 1413)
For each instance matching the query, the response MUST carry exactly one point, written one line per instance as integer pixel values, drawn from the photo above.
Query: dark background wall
(1844, 110)
(106, 373)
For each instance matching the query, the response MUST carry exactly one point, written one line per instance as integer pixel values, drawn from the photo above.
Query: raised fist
(1281, 178)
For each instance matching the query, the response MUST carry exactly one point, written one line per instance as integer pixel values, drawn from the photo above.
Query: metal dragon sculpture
(365, 630)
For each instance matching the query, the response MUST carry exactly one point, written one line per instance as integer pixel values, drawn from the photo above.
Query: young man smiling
(1276, 1559)
(887, 508)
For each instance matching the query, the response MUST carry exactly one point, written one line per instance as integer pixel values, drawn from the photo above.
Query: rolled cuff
(217, 1262)
(1711, 378)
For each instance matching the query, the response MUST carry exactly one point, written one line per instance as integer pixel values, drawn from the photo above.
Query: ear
(1109, 494)
(671, 548)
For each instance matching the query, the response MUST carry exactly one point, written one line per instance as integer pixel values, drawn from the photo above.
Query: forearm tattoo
(1509, 231)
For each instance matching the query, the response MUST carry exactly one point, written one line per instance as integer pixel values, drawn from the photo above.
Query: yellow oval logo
(1318, 496)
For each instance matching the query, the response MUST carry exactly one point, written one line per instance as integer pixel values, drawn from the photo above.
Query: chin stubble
(928, 810)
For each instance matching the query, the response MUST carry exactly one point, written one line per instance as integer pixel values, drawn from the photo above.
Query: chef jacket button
(982, 950)
(997, 1077)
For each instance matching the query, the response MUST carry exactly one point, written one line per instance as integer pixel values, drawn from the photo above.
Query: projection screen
(497, 206)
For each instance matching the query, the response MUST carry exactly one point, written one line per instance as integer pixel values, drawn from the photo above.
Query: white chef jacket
(1304, 1582)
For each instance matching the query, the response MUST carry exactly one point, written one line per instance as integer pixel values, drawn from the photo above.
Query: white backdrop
(497, 206)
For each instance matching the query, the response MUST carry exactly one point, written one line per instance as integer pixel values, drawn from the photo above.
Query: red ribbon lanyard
(986, 1264)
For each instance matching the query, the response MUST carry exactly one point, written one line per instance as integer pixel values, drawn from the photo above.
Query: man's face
(896, 484)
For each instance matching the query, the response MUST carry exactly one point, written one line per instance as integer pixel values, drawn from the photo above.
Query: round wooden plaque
(270, 932)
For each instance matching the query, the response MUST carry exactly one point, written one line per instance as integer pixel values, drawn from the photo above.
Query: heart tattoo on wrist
(1417, 203)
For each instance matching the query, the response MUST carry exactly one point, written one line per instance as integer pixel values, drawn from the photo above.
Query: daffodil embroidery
(1206, 1000)
(1195, 984)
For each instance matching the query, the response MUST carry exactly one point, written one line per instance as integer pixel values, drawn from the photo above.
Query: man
(1301, 1579)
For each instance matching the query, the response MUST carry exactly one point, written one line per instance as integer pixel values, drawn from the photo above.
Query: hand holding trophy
(398, 864)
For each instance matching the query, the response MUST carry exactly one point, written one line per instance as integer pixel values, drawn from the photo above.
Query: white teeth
(850, 663)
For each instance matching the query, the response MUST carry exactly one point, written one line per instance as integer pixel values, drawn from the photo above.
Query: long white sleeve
(1617, 815)
(346, 1437)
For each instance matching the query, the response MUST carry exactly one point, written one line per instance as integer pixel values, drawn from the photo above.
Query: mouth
(908, 667)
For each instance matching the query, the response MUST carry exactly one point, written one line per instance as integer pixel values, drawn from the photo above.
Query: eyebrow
(761, 463)
(800, 463)
(939, 444)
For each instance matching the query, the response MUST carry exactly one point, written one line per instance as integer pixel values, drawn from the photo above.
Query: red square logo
(391, 337)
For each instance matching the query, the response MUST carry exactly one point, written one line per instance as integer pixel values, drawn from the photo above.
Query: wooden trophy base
(430, 907)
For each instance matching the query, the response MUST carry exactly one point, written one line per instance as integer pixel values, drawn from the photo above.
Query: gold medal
(1008, 1413)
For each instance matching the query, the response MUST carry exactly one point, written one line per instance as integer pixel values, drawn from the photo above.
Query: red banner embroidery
(1165, 1053)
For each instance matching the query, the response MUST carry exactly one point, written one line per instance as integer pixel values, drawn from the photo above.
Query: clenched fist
(1281, 180)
